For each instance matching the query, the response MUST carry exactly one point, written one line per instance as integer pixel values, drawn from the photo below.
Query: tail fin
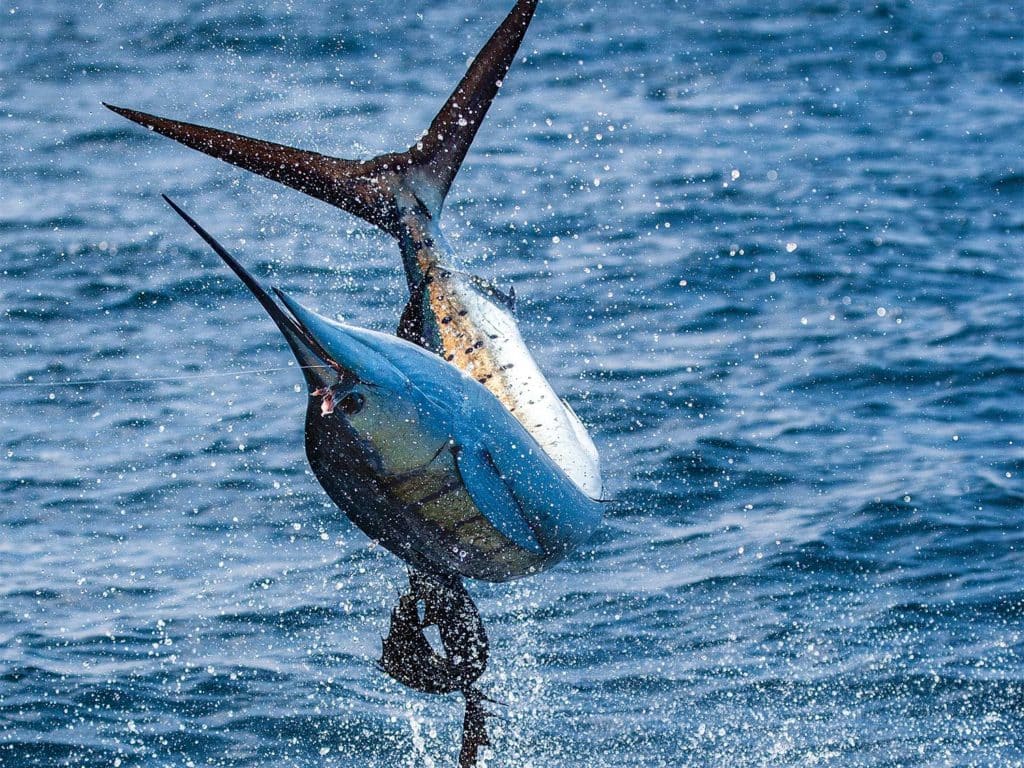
(371, 189)
(441, 151)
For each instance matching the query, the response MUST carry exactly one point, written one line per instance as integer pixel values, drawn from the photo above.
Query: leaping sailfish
(481, 505)
(462, 317)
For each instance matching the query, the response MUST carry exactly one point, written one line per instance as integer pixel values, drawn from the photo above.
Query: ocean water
(772, 254)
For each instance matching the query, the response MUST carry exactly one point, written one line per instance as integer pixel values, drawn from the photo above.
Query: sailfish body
(421, 456)
(460, 317)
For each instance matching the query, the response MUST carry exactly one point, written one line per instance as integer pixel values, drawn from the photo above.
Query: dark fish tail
(439, 154)
(384, 189)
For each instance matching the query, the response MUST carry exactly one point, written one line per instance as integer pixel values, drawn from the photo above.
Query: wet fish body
(421, 456)
(471, 325)
(461, 317)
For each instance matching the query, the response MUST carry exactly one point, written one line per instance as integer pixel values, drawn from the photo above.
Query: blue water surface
(772, 254)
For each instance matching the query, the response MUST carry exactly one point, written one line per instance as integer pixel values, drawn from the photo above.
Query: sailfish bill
(461, 317)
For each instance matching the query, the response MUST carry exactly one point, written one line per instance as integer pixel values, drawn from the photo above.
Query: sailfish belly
(481, 338)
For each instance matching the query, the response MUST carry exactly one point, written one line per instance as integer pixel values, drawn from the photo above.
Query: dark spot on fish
(450, 485)
(469, 350)
(352, 403)
(463, 312)
(478, 345)
(492, 335)
(449, 358)
(446, 319)
(507, 366)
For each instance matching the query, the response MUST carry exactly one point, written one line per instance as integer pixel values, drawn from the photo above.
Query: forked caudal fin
(375, 190)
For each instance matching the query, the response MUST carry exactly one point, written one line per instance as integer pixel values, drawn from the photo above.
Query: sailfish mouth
(318, 366)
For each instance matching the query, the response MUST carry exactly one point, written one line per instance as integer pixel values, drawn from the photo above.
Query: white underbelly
(525, 391)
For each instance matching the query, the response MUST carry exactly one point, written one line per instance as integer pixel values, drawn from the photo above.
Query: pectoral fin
(491, 494)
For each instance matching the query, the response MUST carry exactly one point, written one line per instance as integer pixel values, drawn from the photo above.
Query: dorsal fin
(374, 190)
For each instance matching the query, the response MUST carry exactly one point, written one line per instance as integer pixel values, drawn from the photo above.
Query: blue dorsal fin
(376, 189)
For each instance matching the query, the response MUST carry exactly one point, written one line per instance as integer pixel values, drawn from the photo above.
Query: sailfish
(527, 497)
(462, 317)
(429, 463)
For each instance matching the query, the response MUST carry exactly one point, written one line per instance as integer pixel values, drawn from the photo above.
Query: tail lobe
(377, 190)
(439, 154)
(351, 185)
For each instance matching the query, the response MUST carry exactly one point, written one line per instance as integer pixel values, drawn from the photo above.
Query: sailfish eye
(352, 403)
